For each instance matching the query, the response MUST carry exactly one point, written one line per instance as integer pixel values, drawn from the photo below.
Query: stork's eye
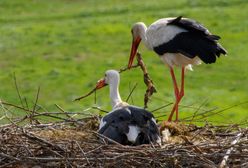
(132, 31)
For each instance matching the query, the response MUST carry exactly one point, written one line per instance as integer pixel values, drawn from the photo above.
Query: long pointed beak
(133, 52)
(100, 84)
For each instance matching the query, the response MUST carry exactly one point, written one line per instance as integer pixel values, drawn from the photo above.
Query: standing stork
(179, 42)
(126, 124)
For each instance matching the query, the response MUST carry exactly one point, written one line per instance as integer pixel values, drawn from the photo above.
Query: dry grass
(77, 144)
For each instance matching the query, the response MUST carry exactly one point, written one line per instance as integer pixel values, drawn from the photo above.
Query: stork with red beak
(180, 42)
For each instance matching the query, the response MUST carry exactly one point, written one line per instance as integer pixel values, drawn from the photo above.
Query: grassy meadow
(65, 46)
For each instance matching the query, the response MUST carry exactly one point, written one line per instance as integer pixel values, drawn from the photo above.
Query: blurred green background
(65, 46)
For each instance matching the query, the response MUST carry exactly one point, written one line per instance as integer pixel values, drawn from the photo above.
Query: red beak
(100, 84)
(133, 52)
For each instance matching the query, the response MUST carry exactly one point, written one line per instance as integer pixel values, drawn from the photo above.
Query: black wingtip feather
(174, 21)
(213, 37)
(214, 51)
(221, 49)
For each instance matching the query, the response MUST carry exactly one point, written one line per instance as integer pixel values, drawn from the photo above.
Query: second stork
(179, 42)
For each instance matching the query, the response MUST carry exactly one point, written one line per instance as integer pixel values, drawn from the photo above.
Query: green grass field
(65, 46)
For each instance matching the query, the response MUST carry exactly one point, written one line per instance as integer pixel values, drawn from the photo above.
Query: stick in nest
(147, 80)
(225, 158)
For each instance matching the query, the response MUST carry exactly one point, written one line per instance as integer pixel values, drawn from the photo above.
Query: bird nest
(59, 139)
(76, 143)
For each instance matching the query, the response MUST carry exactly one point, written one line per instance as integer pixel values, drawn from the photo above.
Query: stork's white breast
(133, 133)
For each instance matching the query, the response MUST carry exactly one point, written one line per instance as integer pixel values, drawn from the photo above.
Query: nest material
(77, 144)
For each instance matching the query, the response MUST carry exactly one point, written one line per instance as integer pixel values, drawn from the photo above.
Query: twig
(98, 108)
(34, 108)
(104, 137)
(129, 87)
(26, 102)
(126, 68)
(83, 154)
(152, 111)
(9, 157)
(86, 95)
(197, 110)
(197, 149)
(60, 108)
(16, 106)
(225, 158)
(36, 99)
(135, 86)
(51, 159)
(17, 89)
(64, 112)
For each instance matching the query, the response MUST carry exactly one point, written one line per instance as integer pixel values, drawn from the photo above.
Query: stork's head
(111, 77)
(137, 30)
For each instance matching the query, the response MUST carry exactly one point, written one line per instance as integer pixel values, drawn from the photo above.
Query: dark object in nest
(130, 126)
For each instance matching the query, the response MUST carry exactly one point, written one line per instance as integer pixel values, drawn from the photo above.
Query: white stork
(179, 42)
(126, 124)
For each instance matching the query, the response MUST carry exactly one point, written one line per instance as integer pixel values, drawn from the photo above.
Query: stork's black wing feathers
(193, 26)
(117, 125)
(119, 119)
(190, 25)
(191, 45)
(139, 115)
(197, 41)
(111, 131)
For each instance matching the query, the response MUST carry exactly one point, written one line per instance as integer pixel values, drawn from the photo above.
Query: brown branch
(86, 95)
(147, 80)
(126, 68)
(16, 106)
